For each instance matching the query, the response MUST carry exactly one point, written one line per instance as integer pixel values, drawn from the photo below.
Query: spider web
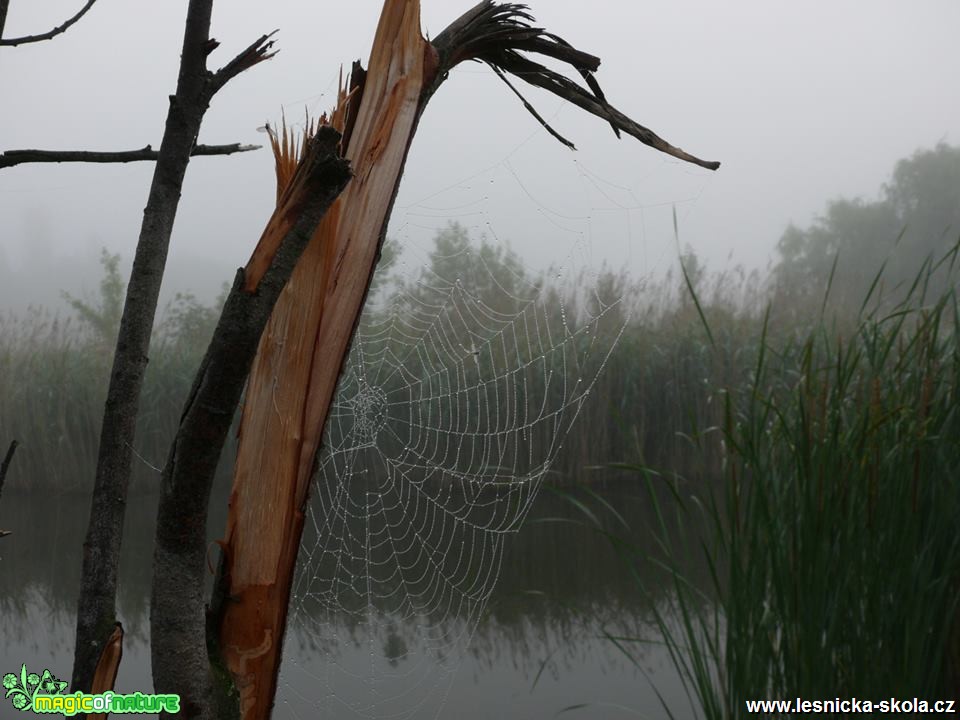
(453, 403)
(465, 375)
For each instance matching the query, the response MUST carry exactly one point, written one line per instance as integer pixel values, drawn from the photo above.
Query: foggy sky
(802, 102)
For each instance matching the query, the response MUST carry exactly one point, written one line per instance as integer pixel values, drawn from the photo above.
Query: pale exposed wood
(105, 675)
(178, 615)
(301, 353)
(304, 343)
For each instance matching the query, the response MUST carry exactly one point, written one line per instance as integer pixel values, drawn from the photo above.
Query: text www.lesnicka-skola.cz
(852, 706)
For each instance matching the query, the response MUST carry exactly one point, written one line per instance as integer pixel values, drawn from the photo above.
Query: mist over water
(543, 623)
(837, 126)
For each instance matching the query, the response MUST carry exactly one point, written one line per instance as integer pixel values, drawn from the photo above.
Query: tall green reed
(832, 539)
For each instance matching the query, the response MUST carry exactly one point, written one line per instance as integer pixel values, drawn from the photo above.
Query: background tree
(924, 192)
(102, 316)
(196, 87)
(491, 273)
(917, 218)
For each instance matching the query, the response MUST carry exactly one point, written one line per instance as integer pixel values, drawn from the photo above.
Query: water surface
(538, 648)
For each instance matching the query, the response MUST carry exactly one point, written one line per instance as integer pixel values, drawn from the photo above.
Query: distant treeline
(683, 340)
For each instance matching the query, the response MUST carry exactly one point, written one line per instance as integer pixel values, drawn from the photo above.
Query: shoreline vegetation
(687, 339)
(659, 376)
(798, 435)
(830, 534)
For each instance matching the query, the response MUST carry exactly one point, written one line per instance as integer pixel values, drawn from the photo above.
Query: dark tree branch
(585, 64)
(5, 465)
(556, 47)
(9, 42)
(4, 6)
(532, 110)
(177, 619)
(256, 52)
(96, 609)
(19, 157)
(498, 34)
(542, 77)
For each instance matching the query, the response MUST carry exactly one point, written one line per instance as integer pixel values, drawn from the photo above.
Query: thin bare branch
(256, 52)
(19, 157)
(533, 111)
(542, 77)
(99, 579)
(500, 34)
(5, 465)
(4, 6)
(11, 42)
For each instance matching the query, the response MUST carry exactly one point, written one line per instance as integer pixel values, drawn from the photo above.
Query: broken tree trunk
(301, 353)
(303, 345)
(179, 653)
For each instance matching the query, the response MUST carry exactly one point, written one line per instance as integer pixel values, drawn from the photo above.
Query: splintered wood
(105, 675)
(300, 355)
(304, 344)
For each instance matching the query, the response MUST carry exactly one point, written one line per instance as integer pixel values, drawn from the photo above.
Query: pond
(538, 648)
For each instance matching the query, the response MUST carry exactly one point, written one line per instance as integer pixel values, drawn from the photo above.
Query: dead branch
(532, 110)
(499, 35)
(96, 609)
(255, 52)
(19, 157)
(5, 465)
(305, 343)
(63, 27)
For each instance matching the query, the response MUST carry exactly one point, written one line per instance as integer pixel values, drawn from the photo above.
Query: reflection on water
(539, 646)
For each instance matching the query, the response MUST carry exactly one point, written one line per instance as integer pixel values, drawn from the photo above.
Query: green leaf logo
(22, 689)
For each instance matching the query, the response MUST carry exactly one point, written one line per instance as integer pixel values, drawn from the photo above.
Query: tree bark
(305, 343)
(4, 6)
(5, 465)
(61, 28)
(96, 610)
(179, 650)
(301, 354)
(11, 158)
